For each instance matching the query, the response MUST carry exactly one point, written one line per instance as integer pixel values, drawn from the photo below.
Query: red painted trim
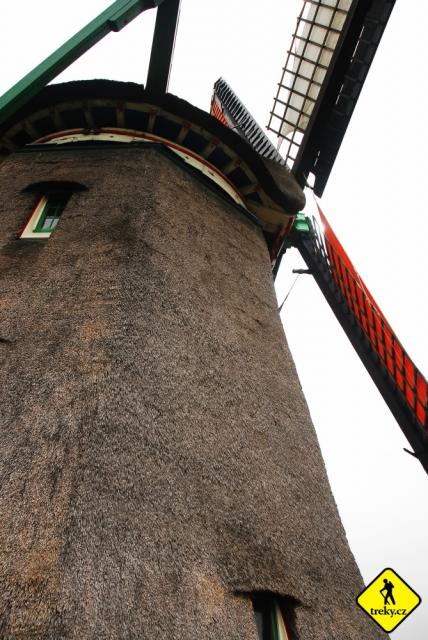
(376, 328)
(145, 136)
(218, 113)
(279, 238)
(58, 134)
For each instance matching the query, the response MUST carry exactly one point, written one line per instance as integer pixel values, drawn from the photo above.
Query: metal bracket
(302, 224)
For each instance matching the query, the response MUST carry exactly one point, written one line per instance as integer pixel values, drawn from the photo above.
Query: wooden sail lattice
(327, 63)
(402, 385)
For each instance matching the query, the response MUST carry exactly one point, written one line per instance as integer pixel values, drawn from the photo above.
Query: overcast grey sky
(375, 201)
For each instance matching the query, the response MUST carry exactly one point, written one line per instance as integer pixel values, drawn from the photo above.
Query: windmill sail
(330, 55)
(228, 108)
(402, 385)
(314, 42)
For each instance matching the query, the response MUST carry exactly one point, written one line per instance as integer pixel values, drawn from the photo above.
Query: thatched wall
(158, 459)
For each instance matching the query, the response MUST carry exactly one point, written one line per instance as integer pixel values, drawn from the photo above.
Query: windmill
(261, 196)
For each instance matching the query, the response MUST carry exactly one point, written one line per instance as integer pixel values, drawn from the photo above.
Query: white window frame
(29, 231)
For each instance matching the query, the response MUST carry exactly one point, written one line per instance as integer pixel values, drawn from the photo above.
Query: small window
(270, 612)
(45, 216)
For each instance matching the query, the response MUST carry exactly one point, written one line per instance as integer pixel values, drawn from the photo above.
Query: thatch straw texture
(158, 460)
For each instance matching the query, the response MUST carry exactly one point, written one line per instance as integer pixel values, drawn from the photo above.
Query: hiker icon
(388, 595)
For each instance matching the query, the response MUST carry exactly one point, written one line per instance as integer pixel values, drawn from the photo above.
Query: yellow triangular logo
(388, 600)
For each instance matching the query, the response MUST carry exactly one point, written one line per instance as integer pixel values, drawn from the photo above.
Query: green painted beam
(114, 18)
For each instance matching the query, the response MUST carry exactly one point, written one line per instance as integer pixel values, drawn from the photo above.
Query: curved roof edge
(283, 190)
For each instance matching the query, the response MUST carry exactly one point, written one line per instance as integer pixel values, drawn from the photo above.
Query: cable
(289, 291)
